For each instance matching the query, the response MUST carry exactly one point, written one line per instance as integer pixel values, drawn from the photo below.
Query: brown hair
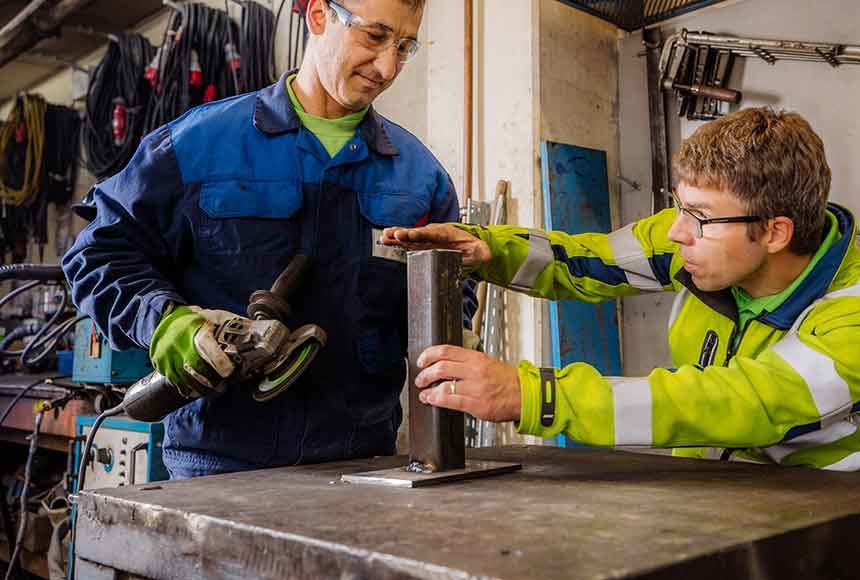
(415, 5)
(771, 161)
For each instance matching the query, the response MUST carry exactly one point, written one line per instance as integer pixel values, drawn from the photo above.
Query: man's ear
(780, 231)
(317, 16)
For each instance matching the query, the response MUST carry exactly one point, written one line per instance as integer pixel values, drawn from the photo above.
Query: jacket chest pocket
(382, 280)
(246, 218)
(246, 231)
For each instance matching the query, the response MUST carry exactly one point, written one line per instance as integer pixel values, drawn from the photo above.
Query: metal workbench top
(570, 513)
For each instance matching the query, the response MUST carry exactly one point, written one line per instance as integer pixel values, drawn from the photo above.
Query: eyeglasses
(375, 36)
(699, 223)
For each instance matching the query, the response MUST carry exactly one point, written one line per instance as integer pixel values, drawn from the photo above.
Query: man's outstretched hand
(439, 237)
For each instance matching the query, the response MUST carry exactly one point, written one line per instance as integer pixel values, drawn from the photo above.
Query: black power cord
(61, 154)
(117, 100)
(22, 513)
(49, 334)
(79, 481)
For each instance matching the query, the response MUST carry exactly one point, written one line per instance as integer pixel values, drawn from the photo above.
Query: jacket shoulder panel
(213, 141)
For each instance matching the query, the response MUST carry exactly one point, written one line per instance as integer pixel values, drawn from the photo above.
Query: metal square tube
(436, 436)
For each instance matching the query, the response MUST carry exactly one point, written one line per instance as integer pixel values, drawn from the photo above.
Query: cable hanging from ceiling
(256, 45)
(194, 64)
(297, 32)
(61, 153)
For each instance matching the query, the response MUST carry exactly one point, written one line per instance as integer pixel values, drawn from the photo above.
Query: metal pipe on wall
(21, 17)
(468, 56)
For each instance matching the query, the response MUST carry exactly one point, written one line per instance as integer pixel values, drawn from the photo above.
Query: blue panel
(95, 362)
(576, 200)
(155, 469)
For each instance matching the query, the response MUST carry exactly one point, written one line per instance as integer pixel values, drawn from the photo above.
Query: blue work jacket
(211, 208)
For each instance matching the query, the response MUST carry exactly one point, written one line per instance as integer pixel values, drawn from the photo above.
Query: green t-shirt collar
(749, 307)
(332, 133)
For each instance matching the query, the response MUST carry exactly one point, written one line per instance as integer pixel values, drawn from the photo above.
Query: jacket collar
(813, 287)
(274, 114)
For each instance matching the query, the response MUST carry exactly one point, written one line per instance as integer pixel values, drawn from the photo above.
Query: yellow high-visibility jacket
(785, 393)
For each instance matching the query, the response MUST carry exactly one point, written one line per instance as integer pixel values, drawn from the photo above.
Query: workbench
(569, 513)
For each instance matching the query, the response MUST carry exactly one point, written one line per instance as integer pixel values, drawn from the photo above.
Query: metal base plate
(399, 477)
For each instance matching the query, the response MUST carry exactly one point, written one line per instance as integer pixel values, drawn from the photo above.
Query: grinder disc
(286, 374)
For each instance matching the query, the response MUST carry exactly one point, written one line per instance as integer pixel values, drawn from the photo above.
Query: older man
(215, 204)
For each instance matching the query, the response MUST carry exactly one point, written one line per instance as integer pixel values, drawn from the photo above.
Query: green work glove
(183, 349)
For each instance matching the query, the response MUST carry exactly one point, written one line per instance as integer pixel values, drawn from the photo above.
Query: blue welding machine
(95, 362)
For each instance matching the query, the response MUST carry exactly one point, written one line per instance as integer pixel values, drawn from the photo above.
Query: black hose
(297, 35)
(17, 291)
(40, 272)
(22, 514)
(255, 45)
(23, 392)
(40, 340)
(79, 481)
(21, 331)
(47, 336)
(48, 342)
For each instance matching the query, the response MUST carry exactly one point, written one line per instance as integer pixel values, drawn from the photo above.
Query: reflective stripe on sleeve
(539, 257)
(847, 463)
(829, 390)
(831, 434)
(630, 257)
(632, 406)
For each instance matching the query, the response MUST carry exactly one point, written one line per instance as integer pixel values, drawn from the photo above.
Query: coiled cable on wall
(117, 100)
(61, 154)
(22, 140)
(193, 63)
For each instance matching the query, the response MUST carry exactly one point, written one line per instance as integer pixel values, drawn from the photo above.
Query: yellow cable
(32, 108)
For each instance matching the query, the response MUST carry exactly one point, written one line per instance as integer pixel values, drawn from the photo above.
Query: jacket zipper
(732, 350)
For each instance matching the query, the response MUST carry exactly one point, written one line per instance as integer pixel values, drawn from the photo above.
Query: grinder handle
(289, 279)
(152, 397)
(274, 304)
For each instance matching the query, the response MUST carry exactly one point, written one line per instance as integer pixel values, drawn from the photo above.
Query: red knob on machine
(210, 93)
(118, 122)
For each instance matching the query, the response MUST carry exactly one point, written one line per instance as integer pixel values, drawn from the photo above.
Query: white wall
(828, 98)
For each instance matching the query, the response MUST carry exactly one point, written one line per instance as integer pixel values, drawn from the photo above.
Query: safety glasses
(375, 36)
(699, 223)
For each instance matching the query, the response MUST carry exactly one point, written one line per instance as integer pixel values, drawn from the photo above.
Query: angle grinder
(268, 357)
